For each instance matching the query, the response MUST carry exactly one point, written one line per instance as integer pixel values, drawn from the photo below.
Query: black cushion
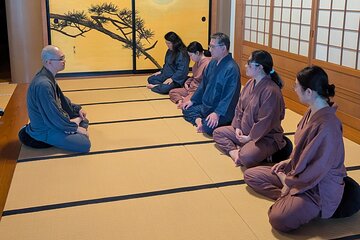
(27, 140)
(350, 202)
(283, 153)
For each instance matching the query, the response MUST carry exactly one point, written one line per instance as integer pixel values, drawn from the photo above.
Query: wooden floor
(149, 175)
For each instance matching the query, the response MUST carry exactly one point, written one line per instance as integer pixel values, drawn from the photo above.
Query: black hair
(222, 39)
(316, 79)
(195, 47)
(265, 60)
(178, 45)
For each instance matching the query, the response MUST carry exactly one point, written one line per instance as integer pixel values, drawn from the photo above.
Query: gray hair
(48, 52)
(222, 39)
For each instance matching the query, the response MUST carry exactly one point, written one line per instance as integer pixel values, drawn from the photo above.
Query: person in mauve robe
(176, 68)
(213, 103)
(196, 53)
(255, 133)
(310, 183)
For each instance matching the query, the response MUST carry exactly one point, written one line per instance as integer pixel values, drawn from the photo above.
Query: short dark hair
(222, 39)
(195, 47)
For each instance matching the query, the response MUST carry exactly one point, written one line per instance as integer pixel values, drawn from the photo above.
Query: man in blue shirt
(54, 120)
(214, 102)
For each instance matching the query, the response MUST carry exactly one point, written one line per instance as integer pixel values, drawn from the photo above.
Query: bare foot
(234, 154)
(150, 86)
(179, 104)
(198, 123)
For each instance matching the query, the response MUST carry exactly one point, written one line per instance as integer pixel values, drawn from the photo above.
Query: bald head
(49, 52)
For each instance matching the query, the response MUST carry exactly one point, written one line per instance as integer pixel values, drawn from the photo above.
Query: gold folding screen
(97, 36)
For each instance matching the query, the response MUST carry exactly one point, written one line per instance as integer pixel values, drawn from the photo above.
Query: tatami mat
(112, 174)
(198, 215)
(149, 175)
(101, 83)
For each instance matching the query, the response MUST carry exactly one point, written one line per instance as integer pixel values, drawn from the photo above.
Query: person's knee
(218, 134)
(248, 160)
(250, 177)
(85, 146)
(206, 129)
(161, 88)
(279, 220)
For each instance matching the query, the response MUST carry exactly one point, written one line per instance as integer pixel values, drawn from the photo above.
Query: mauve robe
(193, 82)
(258, 114)
(314, 174)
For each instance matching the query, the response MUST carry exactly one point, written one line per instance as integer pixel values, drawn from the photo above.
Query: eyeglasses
(250, 62)
(61, 59)
(214, 46)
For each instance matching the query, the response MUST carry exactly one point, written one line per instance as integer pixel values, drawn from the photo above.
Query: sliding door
(99, 36)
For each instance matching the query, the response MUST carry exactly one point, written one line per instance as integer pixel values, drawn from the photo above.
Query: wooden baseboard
(14, 118)
(349, 132)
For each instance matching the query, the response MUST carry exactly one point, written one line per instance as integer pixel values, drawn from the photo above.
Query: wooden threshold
(14, 118)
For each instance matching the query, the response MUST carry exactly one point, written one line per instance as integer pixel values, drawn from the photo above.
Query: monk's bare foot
(198, 123)
(150, 86)
(234, 154)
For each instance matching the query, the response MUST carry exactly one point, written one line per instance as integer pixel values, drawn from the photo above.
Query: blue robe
(50, 113)
(177, 71)
(218, 92)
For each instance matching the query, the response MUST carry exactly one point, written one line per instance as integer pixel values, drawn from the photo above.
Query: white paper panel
(307, 4)
(248, 11)
(353, 5)
(277, 14)
(321, 52)
(335, 37)
(277, 3)
(306, 16)
(287, 3)
(275, 42)
(325, 4)
(247, 23)
(296, 3)
(351, 39)
(284, 44)
(295, 31)
(294, 46)
(276, 28)
(338, 5)
(285, 29)
(253, 36)
(337, 19)
(261, 25)
(334, 55)
(304, 48)
(295, 16)
(352, 20)
(285, 15)
(349, 58)
(254, 24)
(254, 10)
(247, 35)
(262, 12)
(324, 18)
(322, 35)
(305, 33)
(260, 38)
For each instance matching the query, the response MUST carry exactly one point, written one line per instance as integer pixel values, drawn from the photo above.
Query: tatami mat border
(127, 197)
(135, 120)
(113, 151)
(109, 88)
(121, 197)
(125, 101)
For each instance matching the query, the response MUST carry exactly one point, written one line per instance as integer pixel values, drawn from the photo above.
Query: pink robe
(314, 174)
(193, 82)
(258, 114)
